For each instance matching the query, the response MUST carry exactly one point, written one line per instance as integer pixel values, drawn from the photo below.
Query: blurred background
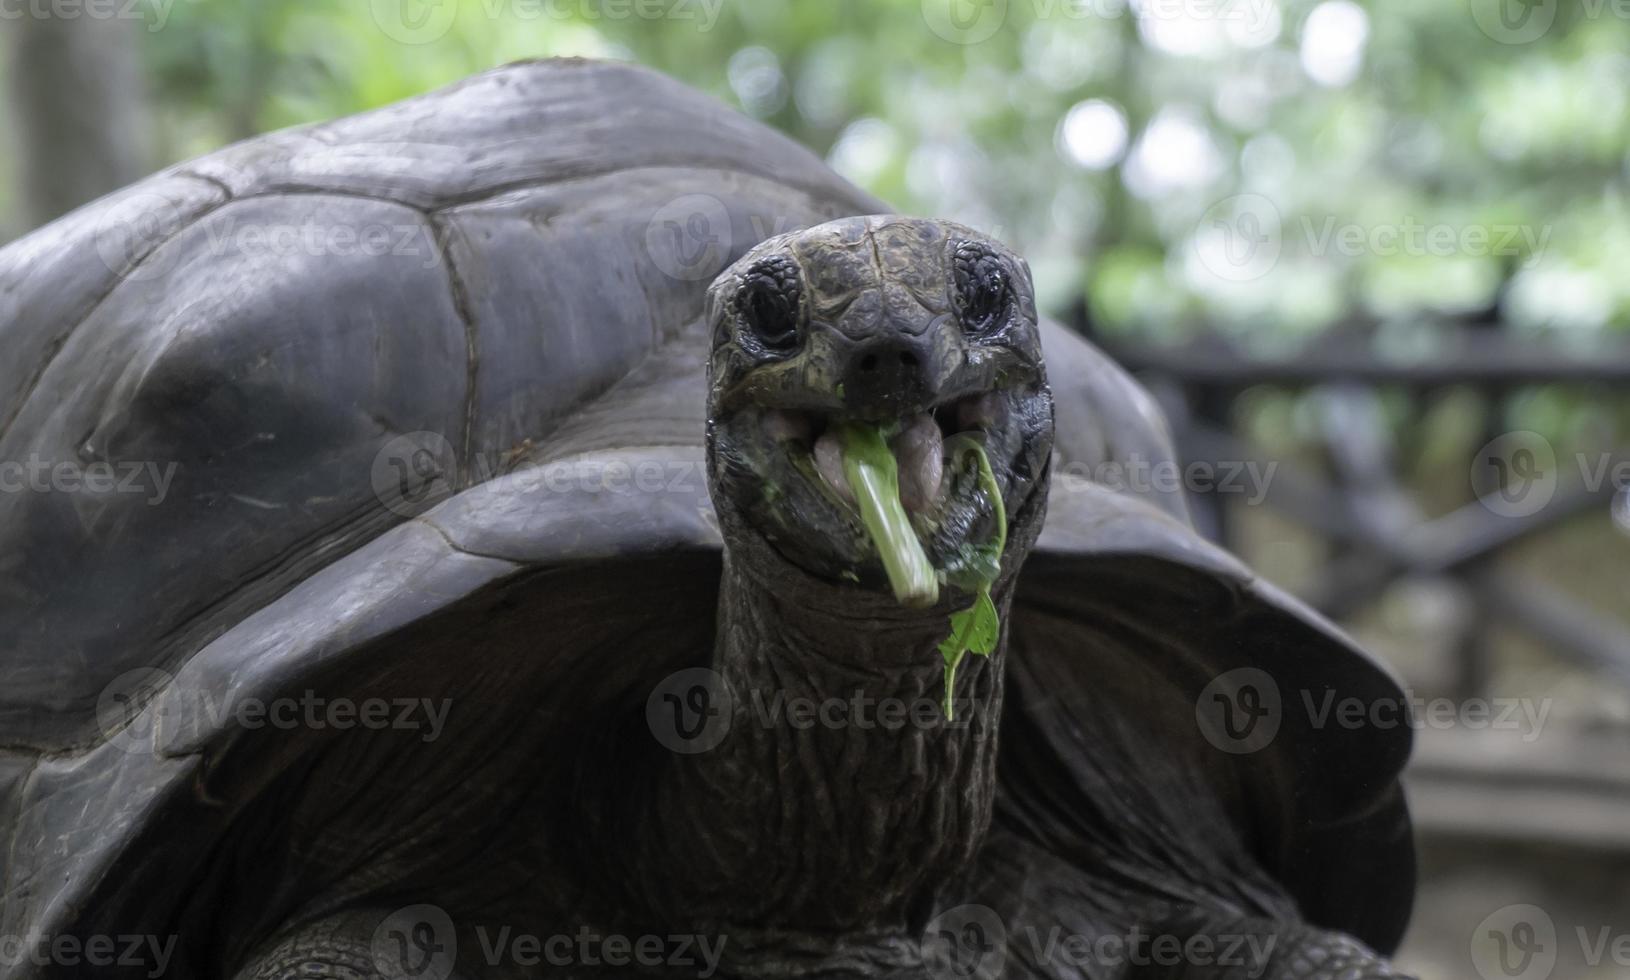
(1371, 256)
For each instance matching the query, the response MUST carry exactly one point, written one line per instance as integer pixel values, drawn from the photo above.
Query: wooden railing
(1462, 784)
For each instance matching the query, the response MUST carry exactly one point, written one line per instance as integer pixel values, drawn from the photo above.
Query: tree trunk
(79, 110)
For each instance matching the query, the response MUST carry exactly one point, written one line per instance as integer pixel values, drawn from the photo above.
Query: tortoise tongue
(871, 474)
(919, 455)
(920, 451)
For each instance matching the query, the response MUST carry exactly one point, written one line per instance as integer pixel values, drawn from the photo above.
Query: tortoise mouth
(919, 442)
(784, 471)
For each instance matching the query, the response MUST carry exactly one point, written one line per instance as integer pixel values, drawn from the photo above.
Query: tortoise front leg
(357, 944)
(339, 947)
(1262, 949)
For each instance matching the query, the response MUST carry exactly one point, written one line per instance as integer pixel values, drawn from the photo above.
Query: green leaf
(977, 628)
(973, 630)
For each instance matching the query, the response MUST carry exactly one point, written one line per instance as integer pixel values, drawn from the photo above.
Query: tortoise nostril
(886, 377)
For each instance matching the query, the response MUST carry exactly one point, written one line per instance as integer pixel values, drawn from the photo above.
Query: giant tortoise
(527, 531)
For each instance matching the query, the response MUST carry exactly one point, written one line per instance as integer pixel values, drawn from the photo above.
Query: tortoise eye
(768, 304)
(982, 287)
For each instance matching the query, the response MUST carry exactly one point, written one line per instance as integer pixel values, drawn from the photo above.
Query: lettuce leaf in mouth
(873, 476)
(874, 479)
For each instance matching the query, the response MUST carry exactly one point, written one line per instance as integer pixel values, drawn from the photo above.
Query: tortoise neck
(840, 800)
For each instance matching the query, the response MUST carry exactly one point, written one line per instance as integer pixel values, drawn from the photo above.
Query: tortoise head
(915, 335)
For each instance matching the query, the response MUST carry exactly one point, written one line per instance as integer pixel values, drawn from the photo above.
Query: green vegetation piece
(874, 479)
(977, 628)
(973, 630)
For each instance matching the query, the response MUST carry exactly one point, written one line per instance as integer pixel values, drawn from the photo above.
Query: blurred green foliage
(1107, 139)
